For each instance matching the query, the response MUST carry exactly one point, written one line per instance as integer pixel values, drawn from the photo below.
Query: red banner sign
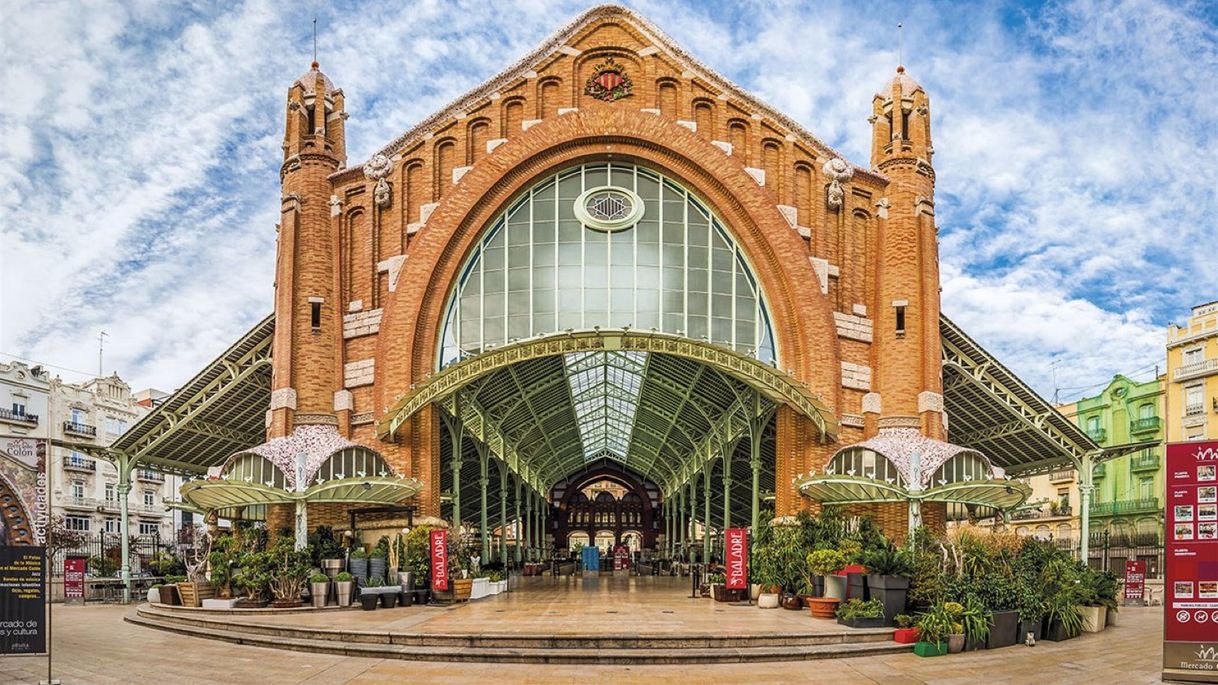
(737, 544)
(74, 578)
(1135, 580)
(1191, 584)
(439, 560)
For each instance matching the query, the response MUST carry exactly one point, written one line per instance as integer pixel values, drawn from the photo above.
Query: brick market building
(609, 263)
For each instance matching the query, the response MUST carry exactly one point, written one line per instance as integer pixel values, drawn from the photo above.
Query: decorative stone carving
(376, 169)
(839, 171)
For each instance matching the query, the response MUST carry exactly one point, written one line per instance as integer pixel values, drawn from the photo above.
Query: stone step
(522, 640)
(621, 656)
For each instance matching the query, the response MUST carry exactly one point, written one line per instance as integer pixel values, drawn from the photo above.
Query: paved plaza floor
(95, 646)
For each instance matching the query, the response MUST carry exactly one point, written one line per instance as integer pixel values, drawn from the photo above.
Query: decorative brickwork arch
(16, 526)
(803, 320)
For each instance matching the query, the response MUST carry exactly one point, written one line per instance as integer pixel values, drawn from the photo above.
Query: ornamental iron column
(1086, 485)
(679, 524)
(706, 529)
(528, 525)
(123, 488)
(517, 527)
(503, 525)
(483, 481)
(691, 528)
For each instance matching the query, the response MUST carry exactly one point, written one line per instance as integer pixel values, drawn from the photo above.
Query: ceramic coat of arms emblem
(609, 82)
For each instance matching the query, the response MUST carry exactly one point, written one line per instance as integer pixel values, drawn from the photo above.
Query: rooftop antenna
(1053, 369)
(900, 44)
(101, 343)
(314, 42)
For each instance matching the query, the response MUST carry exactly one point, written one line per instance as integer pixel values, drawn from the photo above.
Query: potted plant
(378, 559)
(857, 613)
(319, 589)
(853, 571)
(999, 592)
(934, 625)
(290, 572)
(342, 588)
(370, 594)
(357, 564)
(195, 588)
(955, 638)
(327, 552)
(1097, 593)
(890, 569)
(716, 581)
(765, 574)
(1063, 620)
(976, 619)
(826, 563)
(905, 633)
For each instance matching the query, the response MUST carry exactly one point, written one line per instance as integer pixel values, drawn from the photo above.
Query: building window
(1093, 424)
(18, 408)
(1146, 411)
(315, 314)
(1146, 488)
(1194, 356)
(1194, 399)
(111, 496)
(78, 489)
(900, 320)
(78, 416)
(149, 498)
(112, 526)
(80, 523)
(115, 426)
(147, 528)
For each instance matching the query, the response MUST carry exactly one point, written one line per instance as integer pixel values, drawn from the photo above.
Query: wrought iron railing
(79, 464)
(1064, 474)
(18, 417)
(1126, 506)
(79, 428)
(1097, 434)
(1145, 462)
(1145, 424)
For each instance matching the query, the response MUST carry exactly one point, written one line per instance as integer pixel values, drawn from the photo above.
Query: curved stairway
(524, 648)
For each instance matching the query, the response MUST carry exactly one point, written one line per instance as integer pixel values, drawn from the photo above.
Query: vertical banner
(74, 579)
(737, 550)
(23, 600)
(439, 560)
(1190, 625)
(1135, 581)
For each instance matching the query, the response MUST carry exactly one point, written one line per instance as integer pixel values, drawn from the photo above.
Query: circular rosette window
(609, 208)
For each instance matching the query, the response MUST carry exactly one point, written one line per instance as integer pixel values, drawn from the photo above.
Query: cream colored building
(1052, 510)
(83, 489)
(1192, 375)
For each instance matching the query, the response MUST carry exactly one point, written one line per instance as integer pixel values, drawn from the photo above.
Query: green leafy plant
(888, 560)
(319, 578)
(716, 579)
(851, 550)
(936, 623)
(375, 582)
(824, 562)
(289, 569)
(857, 608)
(975, 619)
(903, 620)
(359, 553)
(344, 577)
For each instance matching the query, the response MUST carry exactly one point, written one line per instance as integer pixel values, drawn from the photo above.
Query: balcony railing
(21, 419)
(1196, 370)
(145, 474)
(1122, 507)
(1099, 471)
(1194, 409)
(142, 508)
(1063, 475)
(1097, 434)
(71, 502)
(109, 505)
(1145, 424)
(1041, 512)
(80, 429)
(1145, 462)
(78, 464)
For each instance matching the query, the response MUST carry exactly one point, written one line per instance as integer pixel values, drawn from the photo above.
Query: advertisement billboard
(1190, 625)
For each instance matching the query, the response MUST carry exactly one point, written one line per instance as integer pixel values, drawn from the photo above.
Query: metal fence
(1109, 551)
(104, 552)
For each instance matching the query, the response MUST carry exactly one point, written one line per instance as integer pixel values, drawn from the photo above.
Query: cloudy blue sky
(139, 151)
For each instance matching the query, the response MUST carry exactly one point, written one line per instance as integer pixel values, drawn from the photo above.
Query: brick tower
(906, 350)
(307, 312)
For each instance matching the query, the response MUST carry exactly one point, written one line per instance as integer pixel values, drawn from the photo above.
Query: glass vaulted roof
(605, 389)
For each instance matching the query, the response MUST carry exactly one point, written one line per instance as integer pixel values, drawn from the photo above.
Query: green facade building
(1127, 501)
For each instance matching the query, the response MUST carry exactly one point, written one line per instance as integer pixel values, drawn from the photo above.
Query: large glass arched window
(608, 245)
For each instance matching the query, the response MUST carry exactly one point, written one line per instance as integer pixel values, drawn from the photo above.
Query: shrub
(825, 562)
(904, 620)
(936, 623)
(857, 608)
(888, 560)
(344, 577)
(319, 578)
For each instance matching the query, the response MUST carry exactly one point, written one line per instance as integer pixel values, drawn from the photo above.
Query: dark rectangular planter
(1025, 627)
(930, 648)
(406, 598)
(1004, 631)
(856, 586)
(818, 586)
(862, 622)
(1056, 632)
(891, 590)
(971, 645)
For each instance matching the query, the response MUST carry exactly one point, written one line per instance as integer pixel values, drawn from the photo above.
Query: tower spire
(315, 64)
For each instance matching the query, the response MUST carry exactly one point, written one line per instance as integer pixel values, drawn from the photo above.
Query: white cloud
(139, 145)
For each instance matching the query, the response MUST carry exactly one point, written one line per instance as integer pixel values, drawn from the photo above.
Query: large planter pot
(891, 590)
(754, 591)
(389, 597)
(955, 643)
(905, 636)
(332, 567)
(359, 569)
(877, 622)
(792, 602)
(930, 648)
(1111, 618)
(320, 592)
(1056, 632)
(767, 600)
(343, 590)
(406, 598)
(835, 587)
(1025, 627)
(154, 595)
(1094, 618)
(169, 595)
(480, 588)
(193, 594)
(1004, 629)
(856, 586)
(406, 580)
(462, 587)
(368, 600)
(376, 567)
(422, 595)
(824, 607)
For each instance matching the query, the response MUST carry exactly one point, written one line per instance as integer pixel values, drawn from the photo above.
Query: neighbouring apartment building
(83, 489)
(1192, 368)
